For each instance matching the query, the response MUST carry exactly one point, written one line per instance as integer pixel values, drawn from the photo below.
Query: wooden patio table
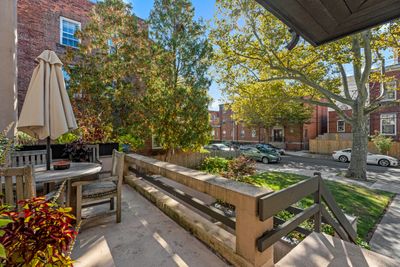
(76, 172)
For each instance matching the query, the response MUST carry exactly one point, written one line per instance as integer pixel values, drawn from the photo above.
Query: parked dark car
(264, 155)
(269, 146)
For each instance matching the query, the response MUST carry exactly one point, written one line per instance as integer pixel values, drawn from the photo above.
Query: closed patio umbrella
(47, 111)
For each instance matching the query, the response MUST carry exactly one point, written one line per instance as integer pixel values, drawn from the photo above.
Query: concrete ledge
(212, 235)
(219, 187)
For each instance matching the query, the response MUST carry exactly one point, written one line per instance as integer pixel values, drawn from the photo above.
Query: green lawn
(366, 204)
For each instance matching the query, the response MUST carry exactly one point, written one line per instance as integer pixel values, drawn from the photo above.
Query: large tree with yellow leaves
(251, 51)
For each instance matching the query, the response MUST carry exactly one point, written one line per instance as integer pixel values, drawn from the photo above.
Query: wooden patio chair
(88, 193)
(24, 181)
(33, 157)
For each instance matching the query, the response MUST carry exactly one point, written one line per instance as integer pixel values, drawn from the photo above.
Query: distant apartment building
(385, 121)
(44, 24)
(291, 137)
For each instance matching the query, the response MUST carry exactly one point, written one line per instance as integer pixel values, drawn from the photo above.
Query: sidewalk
(386, 236)
(307, 154)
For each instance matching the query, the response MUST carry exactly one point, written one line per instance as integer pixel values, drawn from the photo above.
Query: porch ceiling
(322, 21)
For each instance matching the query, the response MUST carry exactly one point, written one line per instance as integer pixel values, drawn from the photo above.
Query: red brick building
(44, 24)
(385, 121)
(291, 137)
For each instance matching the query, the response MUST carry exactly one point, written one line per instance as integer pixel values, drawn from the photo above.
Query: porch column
(8, 64)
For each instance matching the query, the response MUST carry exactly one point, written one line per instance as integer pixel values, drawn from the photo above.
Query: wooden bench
(94, 153)
(33, 157)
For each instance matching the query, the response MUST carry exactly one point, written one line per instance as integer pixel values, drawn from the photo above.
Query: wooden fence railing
(328, 146)
(271, 204)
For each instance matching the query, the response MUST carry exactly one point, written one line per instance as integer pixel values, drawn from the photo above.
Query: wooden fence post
(317, 200)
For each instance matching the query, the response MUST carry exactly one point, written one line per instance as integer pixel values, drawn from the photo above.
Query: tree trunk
(358, 164)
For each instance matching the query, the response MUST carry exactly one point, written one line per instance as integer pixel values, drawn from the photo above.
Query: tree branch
(344, 81)
(366, 35)
(376, 105)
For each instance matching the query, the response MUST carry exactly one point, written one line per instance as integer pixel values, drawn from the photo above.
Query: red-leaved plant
(240, 168)
(40, 234)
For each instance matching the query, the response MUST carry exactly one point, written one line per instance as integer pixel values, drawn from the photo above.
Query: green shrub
(131, 140)
(239, 168)
(215, 165)
(24, 139)
(383, 143)
(67, 138)
(7, 145)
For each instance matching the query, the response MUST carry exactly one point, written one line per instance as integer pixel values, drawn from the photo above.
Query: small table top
(76, 171)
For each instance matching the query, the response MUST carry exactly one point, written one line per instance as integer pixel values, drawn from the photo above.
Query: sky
(204, 9)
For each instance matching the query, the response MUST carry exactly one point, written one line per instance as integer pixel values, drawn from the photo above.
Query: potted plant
(77, 151)
(40, 234)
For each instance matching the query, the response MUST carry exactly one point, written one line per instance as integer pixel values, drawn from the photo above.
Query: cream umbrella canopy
(47, 111)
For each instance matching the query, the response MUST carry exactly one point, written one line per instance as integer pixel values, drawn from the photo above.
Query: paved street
(378, 177)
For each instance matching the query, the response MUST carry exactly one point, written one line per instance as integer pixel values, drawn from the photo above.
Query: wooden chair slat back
(117, 167)
(24, 182)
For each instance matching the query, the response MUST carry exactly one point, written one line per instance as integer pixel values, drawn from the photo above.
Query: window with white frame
(212, 132)
(224, 133)
(68, 28)
(391, 90)
(341, 126)
(388, 124)
(253, 133)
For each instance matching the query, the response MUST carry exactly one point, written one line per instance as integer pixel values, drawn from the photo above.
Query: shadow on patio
(145, 237)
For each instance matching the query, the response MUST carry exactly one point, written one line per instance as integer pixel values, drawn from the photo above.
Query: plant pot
(125, 148)
(61, 165)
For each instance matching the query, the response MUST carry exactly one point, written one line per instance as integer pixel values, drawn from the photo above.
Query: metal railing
(272, 204)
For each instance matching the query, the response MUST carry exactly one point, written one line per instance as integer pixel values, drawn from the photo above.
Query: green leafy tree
(107, 72)
(176, 102)
(259, 105)
(251, 48)
(382, 143)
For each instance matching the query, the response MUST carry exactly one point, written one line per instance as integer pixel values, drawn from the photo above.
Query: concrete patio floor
(145, 237)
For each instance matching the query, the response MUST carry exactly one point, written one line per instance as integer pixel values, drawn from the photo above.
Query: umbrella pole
(48, 154)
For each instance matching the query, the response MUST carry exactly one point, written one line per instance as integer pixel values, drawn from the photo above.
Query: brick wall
(333, 119)
(226, 129)
(375, 122)
(39, 29)
(296, 136)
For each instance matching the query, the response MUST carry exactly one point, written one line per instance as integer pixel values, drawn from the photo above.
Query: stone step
(323, 250)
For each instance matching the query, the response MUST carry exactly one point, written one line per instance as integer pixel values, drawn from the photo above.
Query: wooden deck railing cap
(215, 180)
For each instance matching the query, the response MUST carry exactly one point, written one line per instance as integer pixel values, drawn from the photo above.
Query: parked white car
(222, 147)
(376, 159)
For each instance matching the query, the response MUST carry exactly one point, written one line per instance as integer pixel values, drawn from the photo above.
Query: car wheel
(265, 160)
(384, 163)
(343, 159)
